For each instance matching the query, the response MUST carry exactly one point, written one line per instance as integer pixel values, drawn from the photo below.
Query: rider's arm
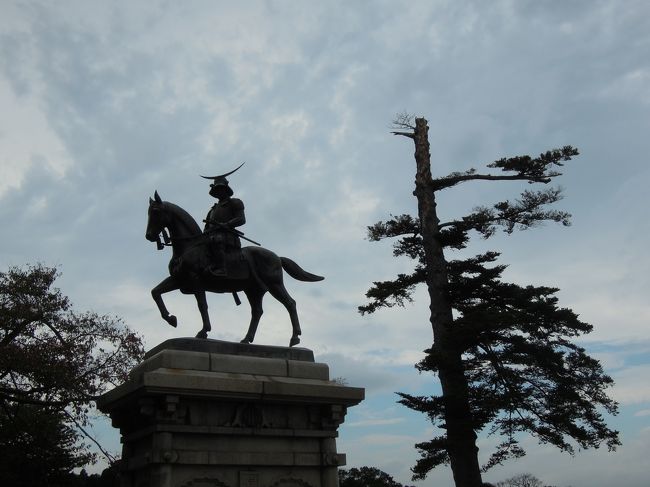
(239, 218)
(209, 223)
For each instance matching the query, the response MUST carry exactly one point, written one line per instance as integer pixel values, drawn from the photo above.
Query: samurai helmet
(221, 181)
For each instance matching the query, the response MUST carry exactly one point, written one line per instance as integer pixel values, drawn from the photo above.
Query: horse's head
(164, 215)
(157, 219)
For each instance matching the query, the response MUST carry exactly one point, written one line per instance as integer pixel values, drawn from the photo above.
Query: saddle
(197, 263)
(236, 265)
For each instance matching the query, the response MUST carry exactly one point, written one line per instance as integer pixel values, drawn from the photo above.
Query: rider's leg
(218, 266)
(217, 254)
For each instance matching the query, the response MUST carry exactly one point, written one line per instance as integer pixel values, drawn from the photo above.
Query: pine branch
(533, 380)
(454, 179)
(395, 227)
(386, 294)
(433, 453)
(523, 213)
(410, 135)
(533, 170)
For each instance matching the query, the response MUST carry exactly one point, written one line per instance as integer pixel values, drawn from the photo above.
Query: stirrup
(217, 271)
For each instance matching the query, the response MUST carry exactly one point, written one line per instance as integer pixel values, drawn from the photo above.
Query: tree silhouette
(502, 352)
(53, 364)
(366, 477)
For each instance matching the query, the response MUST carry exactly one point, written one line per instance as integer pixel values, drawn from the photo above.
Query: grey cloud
(149, 96)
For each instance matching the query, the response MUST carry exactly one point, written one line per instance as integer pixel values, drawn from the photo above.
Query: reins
(169, 241)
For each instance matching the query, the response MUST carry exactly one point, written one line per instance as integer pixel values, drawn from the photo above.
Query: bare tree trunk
(461, 439)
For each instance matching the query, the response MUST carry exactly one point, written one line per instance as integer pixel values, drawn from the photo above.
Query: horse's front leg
(202, 302)
(165, 286)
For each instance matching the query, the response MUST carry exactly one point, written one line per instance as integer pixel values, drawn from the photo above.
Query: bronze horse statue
(254, 271)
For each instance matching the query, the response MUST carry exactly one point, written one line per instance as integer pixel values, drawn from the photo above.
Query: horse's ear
(150, 201)
(157, 197)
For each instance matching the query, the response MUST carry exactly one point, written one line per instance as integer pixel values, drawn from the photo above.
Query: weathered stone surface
(176, 359)
(194, 414)
(307, 370)
(248, 365)
(232, 348)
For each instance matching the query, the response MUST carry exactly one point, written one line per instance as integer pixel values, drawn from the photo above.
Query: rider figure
(220, 223)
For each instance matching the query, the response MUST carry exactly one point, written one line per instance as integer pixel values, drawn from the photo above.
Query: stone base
(212, 413)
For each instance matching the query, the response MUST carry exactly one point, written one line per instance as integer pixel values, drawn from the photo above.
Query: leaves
(526, 212)
(522, 480)
(366, 477)
(386, 294)
(524, 373)
(54, 360)
(521, 214)
(539, 167)
(432, 454)
(533, 170)
(396, 226)
(37, 447)
(519, 370)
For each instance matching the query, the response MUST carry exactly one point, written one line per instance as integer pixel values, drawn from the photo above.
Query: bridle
(167, 240)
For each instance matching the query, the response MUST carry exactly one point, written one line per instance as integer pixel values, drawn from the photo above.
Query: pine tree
(503, 352)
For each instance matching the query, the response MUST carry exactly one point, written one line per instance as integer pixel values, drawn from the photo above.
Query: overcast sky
(104, 102)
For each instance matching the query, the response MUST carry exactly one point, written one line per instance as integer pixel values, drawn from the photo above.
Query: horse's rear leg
(279, 292)
(202, 302)
(255, 300)
(165, 286)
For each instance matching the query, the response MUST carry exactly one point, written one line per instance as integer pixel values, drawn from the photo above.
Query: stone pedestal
(199, 413)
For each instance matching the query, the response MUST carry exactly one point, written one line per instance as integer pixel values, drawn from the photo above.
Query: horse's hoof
(172, 321)
(294, 341)
(202, 334)
(246, 340)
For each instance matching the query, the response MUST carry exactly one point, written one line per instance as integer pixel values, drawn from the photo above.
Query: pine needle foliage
(504, 352)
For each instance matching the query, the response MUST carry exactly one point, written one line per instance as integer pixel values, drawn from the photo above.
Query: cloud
(347, 219)
(27, 141)
(631, 87)
(375, 422)
(103, 103)
(624, 467)
(368, 372)
(631, 385)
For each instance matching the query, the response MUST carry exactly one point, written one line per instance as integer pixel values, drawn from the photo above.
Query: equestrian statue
(214, 260)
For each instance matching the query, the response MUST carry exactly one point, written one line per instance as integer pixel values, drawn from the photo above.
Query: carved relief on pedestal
(187, 423)
(328, 417)
(205, 482)
(290, 482)
(249, 415)
(334, 415)
(166, 409)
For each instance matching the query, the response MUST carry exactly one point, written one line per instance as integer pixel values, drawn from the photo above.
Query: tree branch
(111, 459)
(11, 336)
(524, 213)
(37, 402)
(526, 168)
(405, 134)
(449, 181)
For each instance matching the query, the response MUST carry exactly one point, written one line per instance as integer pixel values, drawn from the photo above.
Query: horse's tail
(297, 272)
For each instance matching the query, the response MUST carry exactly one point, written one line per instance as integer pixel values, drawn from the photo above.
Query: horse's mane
(184, 216)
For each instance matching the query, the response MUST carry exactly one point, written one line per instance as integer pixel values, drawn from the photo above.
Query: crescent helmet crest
(222, 177)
